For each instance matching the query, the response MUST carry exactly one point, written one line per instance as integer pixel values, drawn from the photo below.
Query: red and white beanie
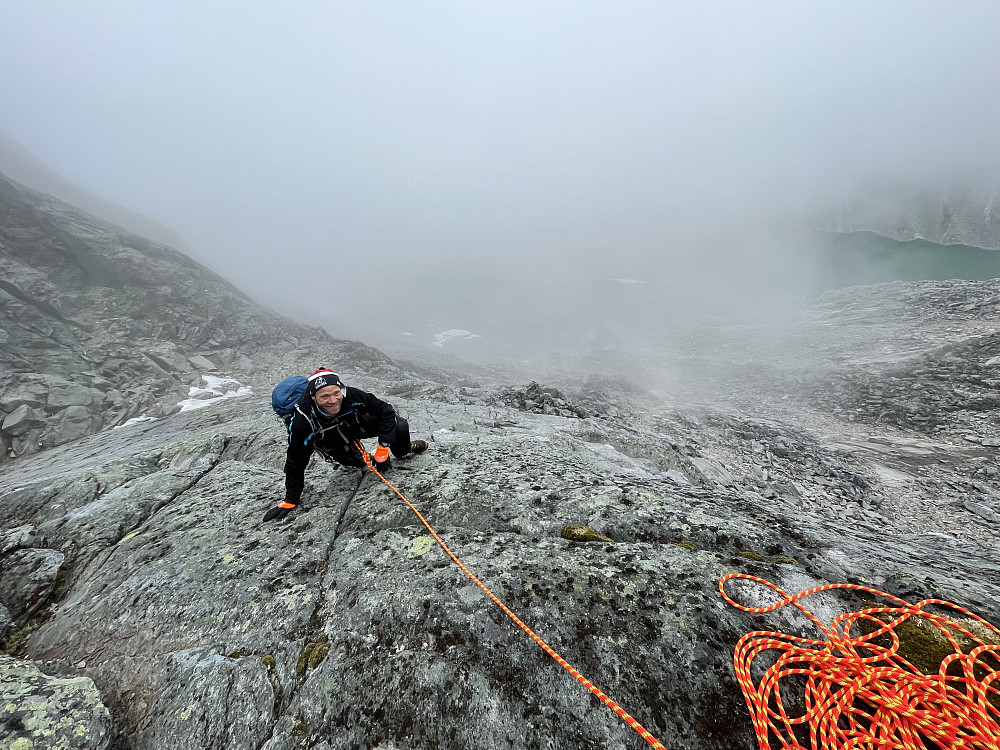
(324, 377)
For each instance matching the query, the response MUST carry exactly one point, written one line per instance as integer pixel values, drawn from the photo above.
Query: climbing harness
(622, 713)
(860, 690)
(319, 430)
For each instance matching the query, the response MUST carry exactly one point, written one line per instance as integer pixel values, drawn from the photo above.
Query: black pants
(401, 445)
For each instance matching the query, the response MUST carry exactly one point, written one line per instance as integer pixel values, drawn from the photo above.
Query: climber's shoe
(418, 446)
(279, 511)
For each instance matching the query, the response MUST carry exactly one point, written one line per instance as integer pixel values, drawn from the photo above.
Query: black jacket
(361, 415)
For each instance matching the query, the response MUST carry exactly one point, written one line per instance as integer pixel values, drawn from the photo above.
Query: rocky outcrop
(98, 325)
(927, 360)
(347, 626)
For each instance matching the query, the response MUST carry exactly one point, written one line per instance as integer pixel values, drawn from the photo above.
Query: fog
(391, 171)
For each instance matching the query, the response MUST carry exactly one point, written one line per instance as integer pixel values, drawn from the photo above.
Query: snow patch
(452, 333)
(215, 390)
(630, 281)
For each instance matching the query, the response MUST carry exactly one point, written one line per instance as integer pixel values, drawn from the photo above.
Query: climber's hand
(381, 458)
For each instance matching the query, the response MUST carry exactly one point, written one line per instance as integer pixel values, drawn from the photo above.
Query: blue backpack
(286, 394)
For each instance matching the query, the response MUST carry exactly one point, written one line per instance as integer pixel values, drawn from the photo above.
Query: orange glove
(381, 457)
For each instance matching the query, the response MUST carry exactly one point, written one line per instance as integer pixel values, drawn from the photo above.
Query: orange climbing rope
(860, 691)
(622, 713)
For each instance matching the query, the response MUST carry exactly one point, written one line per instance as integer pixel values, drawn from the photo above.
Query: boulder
(17, 538)
(24, 419)
(27, 443)
(202, 363)
(983, 510)
(72, 394)
(244, 363)
(25, 394)
(72, 423)
(712, 470)
(170, 360)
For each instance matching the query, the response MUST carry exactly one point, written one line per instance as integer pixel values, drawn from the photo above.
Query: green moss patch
(923, 644)
(580, 533)
(311, 656)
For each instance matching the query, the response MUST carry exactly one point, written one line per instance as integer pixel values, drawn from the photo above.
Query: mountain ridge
(21, 165)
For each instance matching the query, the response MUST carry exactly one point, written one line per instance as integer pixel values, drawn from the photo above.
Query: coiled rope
(622, 713)
(860, 691)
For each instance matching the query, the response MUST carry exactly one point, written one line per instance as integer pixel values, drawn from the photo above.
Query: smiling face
(329, 398)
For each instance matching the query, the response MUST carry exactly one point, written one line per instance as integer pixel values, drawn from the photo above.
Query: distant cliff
(959, 212)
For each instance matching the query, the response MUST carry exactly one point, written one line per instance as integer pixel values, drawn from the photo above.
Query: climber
(328, 418)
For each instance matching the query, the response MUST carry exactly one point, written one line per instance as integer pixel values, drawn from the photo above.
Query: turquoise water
(848, 259)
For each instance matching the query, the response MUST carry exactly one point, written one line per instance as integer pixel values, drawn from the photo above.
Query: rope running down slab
(622, 713)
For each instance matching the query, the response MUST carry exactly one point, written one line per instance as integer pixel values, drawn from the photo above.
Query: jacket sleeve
(383, 413)
(296, 460)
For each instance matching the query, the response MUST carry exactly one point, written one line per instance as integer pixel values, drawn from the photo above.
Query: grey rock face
(22, 420)
(347, 626)
(927, 370)
(70, 394)
(57, 713)
(24, 395)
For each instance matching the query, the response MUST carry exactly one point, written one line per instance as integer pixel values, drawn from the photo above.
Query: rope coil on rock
(860, 691)
(622, 713)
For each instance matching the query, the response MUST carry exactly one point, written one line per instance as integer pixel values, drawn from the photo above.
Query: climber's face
(329, 399)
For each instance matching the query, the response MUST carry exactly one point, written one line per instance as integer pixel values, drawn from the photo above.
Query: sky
(387, 167)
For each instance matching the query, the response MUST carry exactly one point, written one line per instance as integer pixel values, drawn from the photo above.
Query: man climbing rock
(328, 418)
